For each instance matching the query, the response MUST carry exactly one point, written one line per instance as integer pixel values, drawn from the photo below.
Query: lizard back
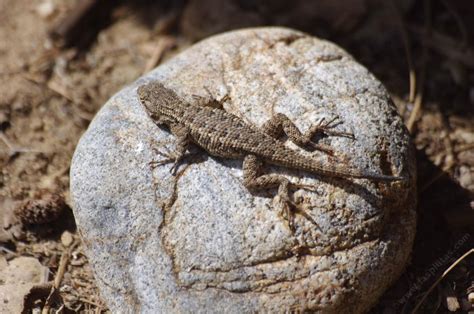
(223, 134)
(220, 133)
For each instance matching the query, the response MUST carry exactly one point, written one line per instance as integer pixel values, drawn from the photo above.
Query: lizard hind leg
(254, 181)
(327, 127)
(280, 124)
(290, 207)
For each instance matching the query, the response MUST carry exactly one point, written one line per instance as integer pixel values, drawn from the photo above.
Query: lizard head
(160, 102)
(149, 94)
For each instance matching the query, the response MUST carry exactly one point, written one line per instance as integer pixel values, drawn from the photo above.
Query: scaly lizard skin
(223, 134)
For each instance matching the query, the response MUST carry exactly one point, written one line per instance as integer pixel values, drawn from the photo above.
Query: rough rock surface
(219, 248)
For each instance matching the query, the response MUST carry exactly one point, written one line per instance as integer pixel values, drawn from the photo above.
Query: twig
(406, 45)
(90, 302)
(52, 86)
(4, 249)
(464, 147)
(11, 72)
(57, 280)
(416, 107)
(60, 90)
(61, 269)
(441, 278)
(12, 149)
(164, 44)
(168, 21)
(68, 28)
(5, 140)
(419, 94)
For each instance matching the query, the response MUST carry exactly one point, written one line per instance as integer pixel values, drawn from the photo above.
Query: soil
(53, 79)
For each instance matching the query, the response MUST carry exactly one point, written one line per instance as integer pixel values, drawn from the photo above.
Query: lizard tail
(336, 170)
(376, 176)
(343, 172)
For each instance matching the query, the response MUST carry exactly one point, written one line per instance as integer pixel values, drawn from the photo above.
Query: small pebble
(470, 297)
(66, 238)
(452, 303)
(45, 9)
(37, 125)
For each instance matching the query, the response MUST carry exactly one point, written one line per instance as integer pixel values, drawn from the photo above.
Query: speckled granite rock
(220, 248)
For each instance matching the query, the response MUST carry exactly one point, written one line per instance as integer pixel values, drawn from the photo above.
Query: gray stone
(220, 248)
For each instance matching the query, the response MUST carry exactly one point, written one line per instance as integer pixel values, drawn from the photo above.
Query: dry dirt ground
(60, 63)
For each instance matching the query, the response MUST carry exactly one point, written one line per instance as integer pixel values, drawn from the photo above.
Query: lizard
(225, 135)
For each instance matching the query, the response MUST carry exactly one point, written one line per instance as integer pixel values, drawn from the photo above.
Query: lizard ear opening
(150, 113)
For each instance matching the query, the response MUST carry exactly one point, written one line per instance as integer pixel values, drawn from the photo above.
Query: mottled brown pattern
(225, 135)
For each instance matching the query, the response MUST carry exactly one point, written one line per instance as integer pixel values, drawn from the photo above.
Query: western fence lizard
(223, 134)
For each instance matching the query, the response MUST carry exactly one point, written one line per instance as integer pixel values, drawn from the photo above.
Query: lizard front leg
(181, 133)
(210, 101)
(253, 180)
(280, 124)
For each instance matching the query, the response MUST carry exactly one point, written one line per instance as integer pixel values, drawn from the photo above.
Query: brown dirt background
(50, 90)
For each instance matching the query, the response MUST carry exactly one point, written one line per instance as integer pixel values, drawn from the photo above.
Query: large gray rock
(220, 248)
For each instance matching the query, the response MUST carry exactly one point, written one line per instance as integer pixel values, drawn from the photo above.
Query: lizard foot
(326, 127)
(170, 157)
(210, 101)
(307, 187)
(290, 208)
